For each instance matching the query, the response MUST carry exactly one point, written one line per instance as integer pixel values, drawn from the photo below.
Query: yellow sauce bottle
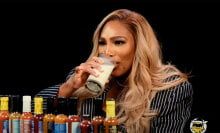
(4, 115)
(111, 121)
(38, 115)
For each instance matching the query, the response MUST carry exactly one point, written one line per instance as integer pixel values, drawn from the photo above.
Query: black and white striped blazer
(174, 106)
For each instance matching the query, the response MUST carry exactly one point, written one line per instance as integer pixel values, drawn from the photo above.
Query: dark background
(41, 42)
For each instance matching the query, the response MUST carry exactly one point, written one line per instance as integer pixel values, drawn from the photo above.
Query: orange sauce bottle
(60, 121)
(49, 116)
(98, 118)
(73, 118)
(111, 120)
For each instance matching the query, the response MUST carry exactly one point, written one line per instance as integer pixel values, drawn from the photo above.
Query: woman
(150, 96)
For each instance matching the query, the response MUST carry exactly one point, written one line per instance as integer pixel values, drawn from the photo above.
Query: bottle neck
(110, 108)
(98, 102)
(86, 117)
(62, 105)
(38, 105)
(50, 105)
(72, 105)
(26, 104)
(14, 103)
(4, 104)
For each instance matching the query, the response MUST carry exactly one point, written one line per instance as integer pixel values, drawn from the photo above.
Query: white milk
(95, 84)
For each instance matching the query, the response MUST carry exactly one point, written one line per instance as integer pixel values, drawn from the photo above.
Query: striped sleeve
(50, 91)
(47, 92)
(174, 108)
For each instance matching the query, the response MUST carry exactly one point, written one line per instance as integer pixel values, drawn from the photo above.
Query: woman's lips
(116, 65)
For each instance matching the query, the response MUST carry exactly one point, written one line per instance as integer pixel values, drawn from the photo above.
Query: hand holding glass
(96, 84)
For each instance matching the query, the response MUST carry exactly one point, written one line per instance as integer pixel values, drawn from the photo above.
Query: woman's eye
(101, 43)
(119, 42)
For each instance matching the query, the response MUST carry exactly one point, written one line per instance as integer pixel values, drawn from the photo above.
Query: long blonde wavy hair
(147, 74)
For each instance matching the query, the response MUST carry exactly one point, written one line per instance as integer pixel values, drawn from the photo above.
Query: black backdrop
(41, 42)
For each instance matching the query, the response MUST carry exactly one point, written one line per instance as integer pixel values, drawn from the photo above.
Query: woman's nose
(109, 51)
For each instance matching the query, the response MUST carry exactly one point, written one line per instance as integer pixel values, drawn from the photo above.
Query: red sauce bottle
(26, 116)
(98, 118)
(85, 124)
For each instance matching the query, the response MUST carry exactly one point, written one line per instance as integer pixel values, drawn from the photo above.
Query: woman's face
(117, 42)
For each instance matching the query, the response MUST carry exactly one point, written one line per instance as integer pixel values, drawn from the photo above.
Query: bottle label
(60, 128)
(25, 126)
(5, 127)
(15, 126)
(75, 127)
(40, 127)
(112, 129)
(101, 128)
(50, 127)
(32, 126)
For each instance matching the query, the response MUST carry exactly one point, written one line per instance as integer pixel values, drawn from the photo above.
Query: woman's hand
(80, 76)
(84, 70)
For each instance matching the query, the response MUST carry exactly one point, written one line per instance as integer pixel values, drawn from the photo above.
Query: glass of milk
(96, 84)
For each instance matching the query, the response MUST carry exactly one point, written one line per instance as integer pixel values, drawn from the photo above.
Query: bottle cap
(27, 98)
(14, 103)
(26, 104)
(38, 105)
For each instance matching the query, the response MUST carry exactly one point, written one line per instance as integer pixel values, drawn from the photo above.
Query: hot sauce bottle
(111, 120)
(38, 115)
(48, 120)
(26, 116)
(98, 118)
(73, 118)
(15, 114)
(4, 115)
(85, 124)
(60, 121)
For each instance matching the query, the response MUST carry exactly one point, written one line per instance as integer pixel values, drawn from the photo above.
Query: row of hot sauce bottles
(62, 119)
